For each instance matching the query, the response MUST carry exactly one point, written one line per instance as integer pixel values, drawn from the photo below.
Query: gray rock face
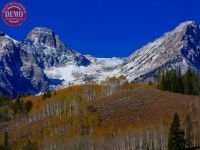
(46, 37)
(19, 73)
(179, 48)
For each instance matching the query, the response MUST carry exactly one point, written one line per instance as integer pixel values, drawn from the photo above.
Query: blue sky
(105, 28)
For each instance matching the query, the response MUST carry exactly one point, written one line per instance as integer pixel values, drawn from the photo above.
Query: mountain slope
(179, 48)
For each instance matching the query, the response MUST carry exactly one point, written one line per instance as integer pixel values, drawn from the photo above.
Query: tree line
(174, 81)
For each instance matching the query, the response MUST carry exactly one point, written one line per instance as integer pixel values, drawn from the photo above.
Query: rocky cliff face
(19, 72)
(49, 51)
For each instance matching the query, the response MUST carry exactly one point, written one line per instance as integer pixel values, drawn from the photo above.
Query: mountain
(179, 48)
(42, 61)
(22, 64)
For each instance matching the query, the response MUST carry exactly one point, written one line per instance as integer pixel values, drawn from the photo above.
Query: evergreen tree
(188, 131)
(176, 135)
(191, 82)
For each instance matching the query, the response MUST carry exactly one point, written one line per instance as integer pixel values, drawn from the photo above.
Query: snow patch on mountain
(98, 70)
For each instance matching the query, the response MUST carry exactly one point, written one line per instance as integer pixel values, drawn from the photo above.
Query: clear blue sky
(105, 28)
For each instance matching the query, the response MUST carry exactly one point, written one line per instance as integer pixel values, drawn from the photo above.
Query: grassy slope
(145, 106)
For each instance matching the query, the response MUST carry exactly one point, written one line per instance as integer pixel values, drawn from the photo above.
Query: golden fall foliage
(97, 113)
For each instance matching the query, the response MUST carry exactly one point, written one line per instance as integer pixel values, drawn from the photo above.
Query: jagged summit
(49, 50)
(45, 36)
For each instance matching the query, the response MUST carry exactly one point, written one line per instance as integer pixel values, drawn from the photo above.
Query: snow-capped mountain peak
(179, 48)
